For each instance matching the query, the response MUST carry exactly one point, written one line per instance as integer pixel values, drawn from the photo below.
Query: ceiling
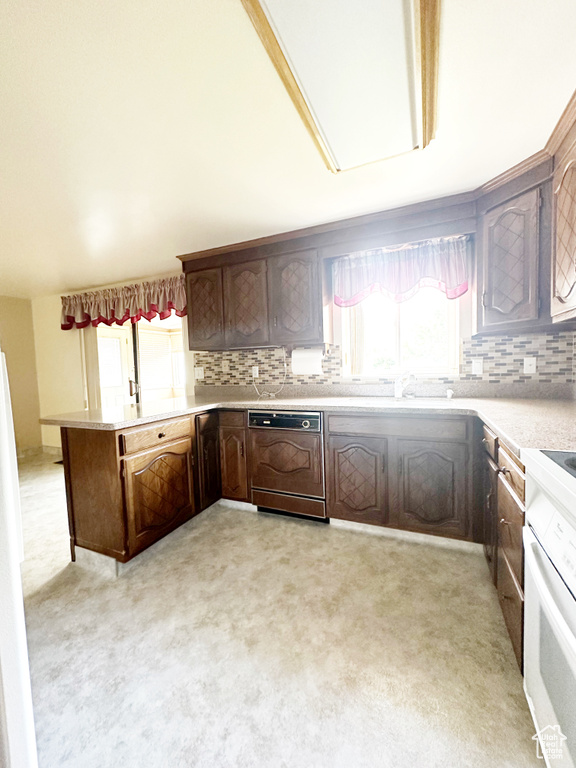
(132, 131)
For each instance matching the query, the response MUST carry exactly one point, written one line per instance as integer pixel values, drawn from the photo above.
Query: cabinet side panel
(96, 502)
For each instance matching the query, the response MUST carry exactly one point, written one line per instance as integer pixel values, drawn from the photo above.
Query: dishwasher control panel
(301, 420)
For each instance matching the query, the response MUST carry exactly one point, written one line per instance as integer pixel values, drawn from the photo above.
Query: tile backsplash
(502, 358)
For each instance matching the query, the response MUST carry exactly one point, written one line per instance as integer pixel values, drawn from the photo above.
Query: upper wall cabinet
(295, 298)
(246, 304)
(205, 309)
(510, 263)
(514, 248)
(564, 260)
(274, 301)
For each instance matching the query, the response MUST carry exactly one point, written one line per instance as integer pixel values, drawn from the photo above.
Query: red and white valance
(399, 271)
(128, 302)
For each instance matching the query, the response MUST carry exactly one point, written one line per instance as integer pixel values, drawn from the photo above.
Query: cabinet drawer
(511, 471)
(232, 418)
(511, 600)
(141, 438)
(406, 426)
(490, 442)
(510, 523)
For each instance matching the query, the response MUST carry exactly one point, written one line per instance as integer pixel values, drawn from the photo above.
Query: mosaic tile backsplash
(503, 363)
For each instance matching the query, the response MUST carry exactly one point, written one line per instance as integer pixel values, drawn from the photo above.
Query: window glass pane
(427, 332)
(382, 339)
(109, 362)
(380, 330)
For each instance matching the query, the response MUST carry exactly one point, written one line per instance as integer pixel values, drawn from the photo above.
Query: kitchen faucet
(401, 383)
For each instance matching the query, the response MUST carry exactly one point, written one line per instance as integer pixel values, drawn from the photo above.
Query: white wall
(17, 342)
(59, 365)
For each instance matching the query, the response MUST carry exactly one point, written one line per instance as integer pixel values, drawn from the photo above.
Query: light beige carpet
(245, 639)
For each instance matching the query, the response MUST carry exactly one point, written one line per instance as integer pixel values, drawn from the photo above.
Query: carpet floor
(251, 640)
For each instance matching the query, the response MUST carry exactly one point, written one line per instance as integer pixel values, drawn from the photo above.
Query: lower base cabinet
(126, 489)
(382, 473)
(433, 489)
(489, 514)
(357, 479)
(233, 463)
(158, 491)
(209, 480)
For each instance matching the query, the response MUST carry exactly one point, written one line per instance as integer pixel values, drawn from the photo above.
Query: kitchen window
(381, 339)
(398, 308)
(148, 353)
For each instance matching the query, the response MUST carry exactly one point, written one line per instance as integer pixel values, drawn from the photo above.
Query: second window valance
(127, 302)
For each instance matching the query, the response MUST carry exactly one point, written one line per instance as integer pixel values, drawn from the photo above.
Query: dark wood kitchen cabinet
(510, 256)
(489, 514)
(357, 479)
(233, 455)
(514, 246)
(158, 491)
(295, 298)
(228, 307)
(126, 489)
(246, 304)
(433, 489)
(405, 472)
(252, 304)
(209, 479)
(564, 258)
(510, 582)
(205, 309)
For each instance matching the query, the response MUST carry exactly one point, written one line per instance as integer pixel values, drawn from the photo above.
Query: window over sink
(382, 338)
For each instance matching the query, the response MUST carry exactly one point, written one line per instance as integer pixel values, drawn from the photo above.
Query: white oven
(550, 605)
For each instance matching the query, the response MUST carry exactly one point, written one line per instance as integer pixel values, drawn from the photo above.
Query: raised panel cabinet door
(489, 514)
(295, 298)
(432, 487)
(357, 479)
(564, 259)
(209, 479)
(233, 463)
(511, 254)
(287, 461)
(158, 488)
(246, 304)
(205, 309)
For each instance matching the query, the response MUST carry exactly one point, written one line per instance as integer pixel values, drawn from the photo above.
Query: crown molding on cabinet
(513, 173)
(563, 127)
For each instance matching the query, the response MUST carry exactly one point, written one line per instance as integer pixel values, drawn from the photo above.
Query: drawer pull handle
(484, 441)
(241, 449)
(507, 597)
(503, 521)
(505, 471)
(161, 435)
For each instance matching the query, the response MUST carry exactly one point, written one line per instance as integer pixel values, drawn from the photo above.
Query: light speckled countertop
(520, 423)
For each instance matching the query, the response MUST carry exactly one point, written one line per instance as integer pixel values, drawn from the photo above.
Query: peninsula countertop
(542, 423)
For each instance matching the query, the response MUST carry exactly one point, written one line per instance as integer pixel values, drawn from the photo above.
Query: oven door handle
(537, 566)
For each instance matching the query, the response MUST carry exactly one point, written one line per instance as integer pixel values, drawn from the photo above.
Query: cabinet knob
(161, 435)
(503, 521)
